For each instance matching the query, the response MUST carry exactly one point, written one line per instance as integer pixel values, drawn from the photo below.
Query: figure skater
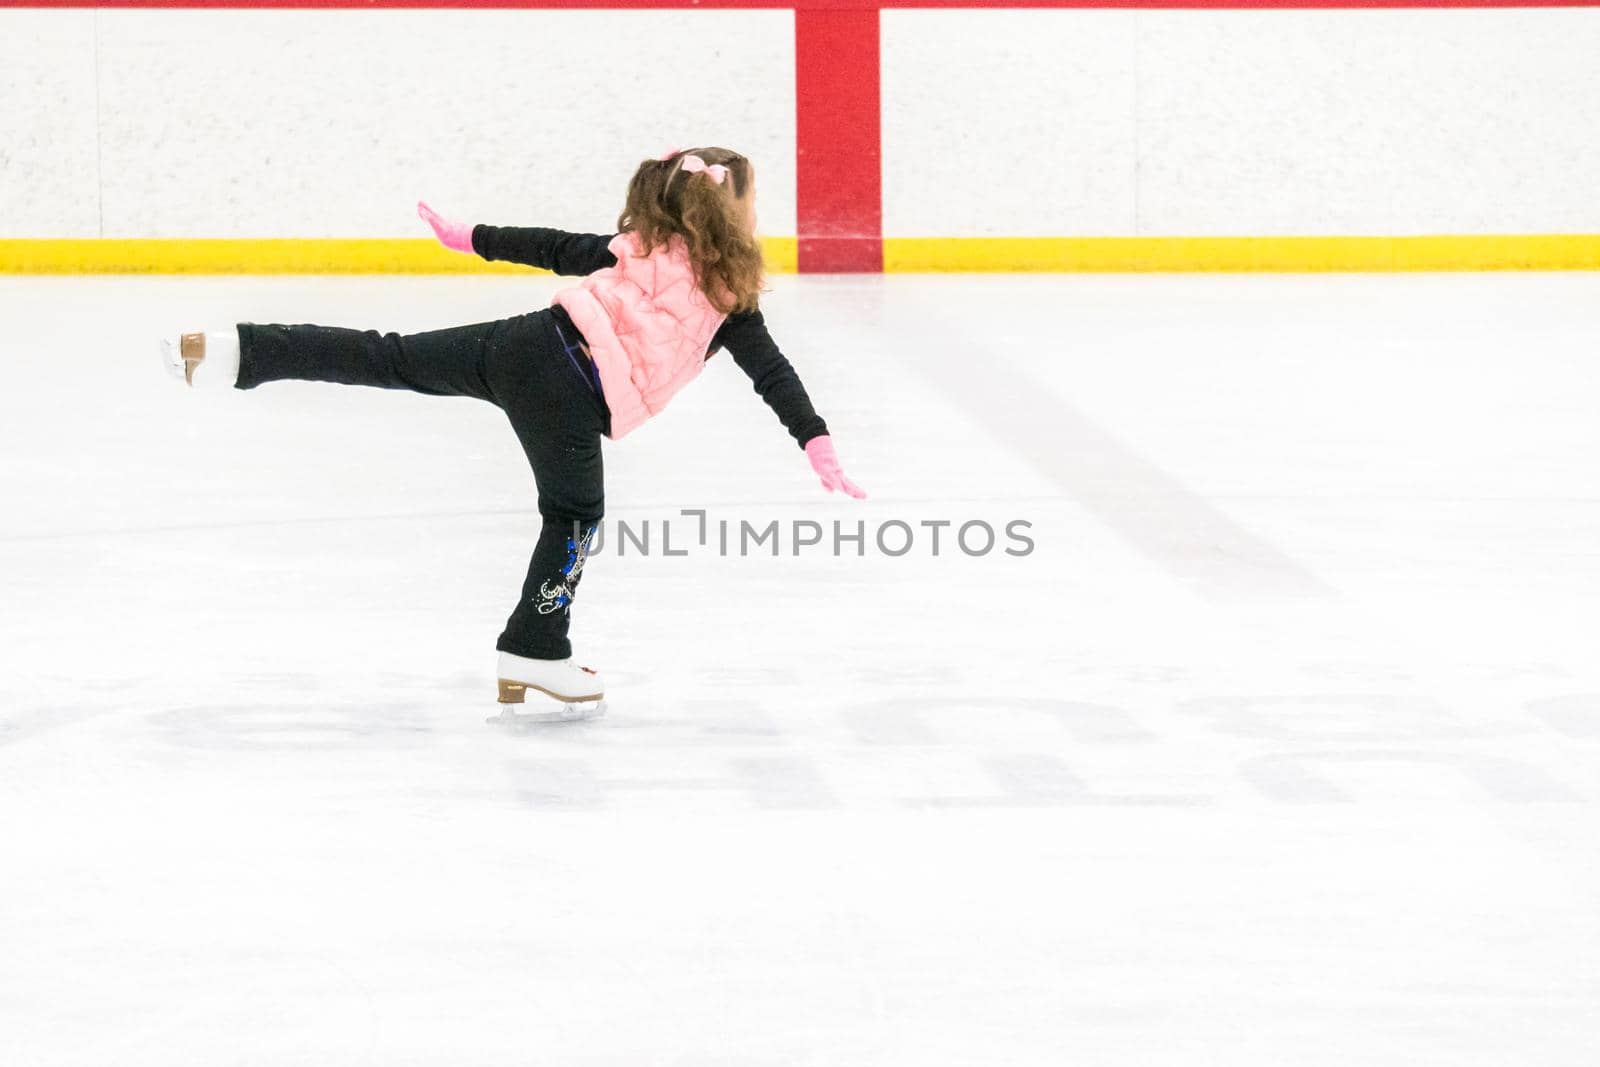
(681, 280)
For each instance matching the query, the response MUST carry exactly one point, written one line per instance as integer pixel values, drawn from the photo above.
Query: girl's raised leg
(446, 362)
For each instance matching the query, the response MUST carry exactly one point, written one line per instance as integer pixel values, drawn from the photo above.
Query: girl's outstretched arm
(536, 246)
(552, 250)
(745, 335)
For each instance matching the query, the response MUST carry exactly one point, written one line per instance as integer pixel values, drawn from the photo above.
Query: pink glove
(819, 450)
(456, 235)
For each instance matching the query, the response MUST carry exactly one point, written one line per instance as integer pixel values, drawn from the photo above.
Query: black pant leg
(539, 625)
(518, 364)
(559, 423)
(446, 362)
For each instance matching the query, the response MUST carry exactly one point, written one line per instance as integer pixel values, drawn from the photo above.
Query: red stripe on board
(807, 5)
(838, 178)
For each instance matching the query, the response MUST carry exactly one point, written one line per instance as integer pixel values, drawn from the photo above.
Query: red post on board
(839, 162)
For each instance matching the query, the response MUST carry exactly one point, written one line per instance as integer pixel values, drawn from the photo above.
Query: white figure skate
(207, 360)
(578, 689)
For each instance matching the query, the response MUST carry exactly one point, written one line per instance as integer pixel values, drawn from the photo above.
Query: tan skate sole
(514, 692)
(192, 347)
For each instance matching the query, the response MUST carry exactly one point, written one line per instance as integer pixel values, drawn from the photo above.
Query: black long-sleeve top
(744, 334)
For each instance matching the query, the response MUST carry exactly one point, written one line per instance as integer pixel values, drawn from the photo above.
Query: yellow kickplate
(1266, 254)
(275, 256)
(900, 254)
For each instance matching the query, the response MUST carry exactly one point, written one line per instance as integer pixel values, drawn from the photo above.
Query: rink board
(1020, 138)
(900, 255)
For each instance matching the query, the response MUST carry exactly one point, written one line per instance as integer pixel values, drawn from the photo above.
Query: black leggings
(521, 366)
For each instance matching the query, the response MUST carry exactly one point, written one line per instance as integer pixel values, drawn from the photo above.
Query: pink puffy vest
(647, 325)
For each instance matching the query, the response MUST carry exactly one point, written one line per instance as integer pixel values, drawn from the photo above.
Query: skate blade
(578, 711)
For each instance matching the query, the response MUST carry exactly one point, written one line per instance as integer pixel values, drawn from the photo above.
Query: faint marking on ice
(1575, 715)
(1145, 505)
(556, 784)
(784, 782)
(18, 726)
(919, 720)
(388, 723)
(1342, 717)
(1040, 779)
(1300, 778)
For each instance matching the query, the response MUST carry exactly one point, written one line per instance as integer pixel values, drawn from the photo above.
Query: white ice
(1281, 747)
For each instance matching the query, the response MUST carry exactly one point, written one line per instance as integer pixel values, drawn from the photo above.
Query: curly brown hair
(665, 200)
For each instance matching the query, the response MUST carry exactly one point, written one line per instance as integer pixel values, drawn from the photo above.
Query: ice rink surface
(1281, 747)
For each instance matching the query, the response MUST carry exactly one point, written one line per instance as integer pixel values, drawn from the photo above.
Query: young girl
(681, 280)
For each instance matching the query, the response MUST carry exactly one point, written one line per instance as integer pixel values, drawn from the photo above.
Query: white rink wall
(1255, 123)
(253, 123)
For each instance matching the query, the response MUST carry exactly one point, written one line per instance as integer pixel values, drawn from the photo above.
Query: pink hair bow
(694, 164)
(668, 154)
